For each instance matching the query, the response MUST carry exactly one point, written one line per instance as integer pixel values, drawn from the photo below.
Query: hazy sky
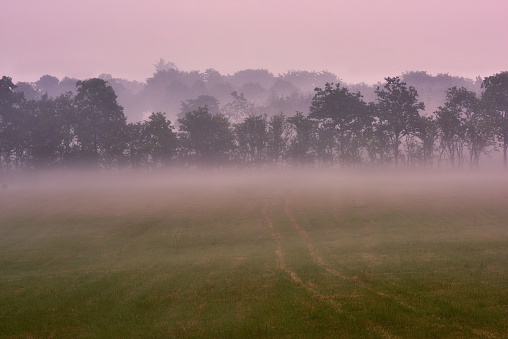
(358, 40)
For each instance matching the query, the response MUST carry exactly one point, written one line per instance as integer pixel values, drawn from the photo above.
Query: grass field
(275, 256)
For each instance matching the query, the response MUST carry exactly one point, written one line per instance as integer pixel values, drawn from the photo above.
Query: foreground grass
(273, 258)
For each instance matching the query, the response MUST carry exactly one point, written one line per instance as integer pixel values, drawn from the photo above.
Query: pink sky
(358, 40)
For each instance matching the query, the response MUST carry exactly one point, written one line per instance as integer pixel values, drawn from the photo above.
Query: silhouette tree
(427, 132)
(100, 123)
(48, 84)
(399, 108)
(160, 140)
(201, 101)
(495, 99)
(451, 132)
(28, 91)
(301, 141)
(377, 138)
(465, 121)
(279, 132)
(252, 136)
(14, 124)
(343, 114)
(136, 145)
(477, 130)
(205, 138)
(47, 132)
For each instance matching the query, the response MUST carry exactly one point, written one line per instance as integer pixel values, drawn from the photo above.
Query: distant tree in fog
(427, 132)
(399, 110)
(283, 88)
(345, 115)
(100, 123)
(279, 132)
(205, 138)
(136, 145)
(252, 137)
(47, 84)
(255, 92)
(28, 91)
(239, 109)
(127, 95)
(287, 105)
(451, 133)
(260, 76)
(203, 100)
(377, 138)
(432, 88)
(163, 65)
(48, 133)
(476, 123)
(495, 99)
(301, 141)
(307, 81)
(66, 115)
(14, 125)
(166, 89)
(464, 121)
(160, 142)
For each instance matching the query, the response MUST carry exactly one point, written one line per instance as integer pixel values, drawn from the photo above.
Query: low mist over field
(130, 192)
(138, 189)
(254, 252)
(432, 181)
(254, 169)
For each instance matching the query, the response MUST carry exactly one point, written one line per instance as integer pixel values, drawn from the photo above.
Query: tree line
(88, 127)
(267, 93)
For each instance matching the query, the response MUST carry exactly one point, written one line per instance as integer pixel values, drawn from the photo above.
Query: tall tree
(201, 101)
(101, 123)
(476, 123)
(399, 108)
(346, 115)
(252, 136)
(48, 84)
(206, 138)
(161, 142)
(301, 141)
(377, 138)
(278, 137)
(14, 124)
(427, 132)
(66, 113)
(495, 98)
(465, 122)
(136, 145)
(47, 133)
(451, 132)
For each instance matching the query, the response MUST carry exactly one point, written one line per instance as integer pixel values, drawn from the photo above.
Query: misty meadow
(249, 205)
(238, 254)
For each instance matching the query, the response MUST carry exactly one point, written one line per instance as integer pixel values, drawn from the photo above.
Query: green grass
(274, 258)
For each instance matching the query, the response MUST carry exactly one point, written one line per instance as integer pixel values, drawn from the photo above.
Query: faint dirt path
(282, 264)
(319, 260)
(305, 236)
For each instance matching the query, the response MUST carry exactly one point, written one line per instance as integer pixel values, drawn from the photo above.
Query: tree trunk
(505, 147)
(396, 150)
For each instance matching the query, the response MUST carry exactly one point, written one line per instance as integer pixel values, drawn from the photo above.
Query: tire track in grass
(282, 264)
(319, 260)
(313, 252)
